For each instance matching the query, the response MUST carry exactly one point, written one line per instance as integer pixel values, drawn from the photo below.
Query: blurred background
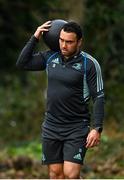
(22, 94)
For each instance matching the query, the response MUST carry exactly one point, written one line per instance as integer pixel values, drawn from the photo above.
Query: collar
(70, 58)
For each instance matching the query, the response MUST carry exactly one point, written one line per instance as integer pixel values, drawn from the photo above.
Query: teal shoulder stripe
(85, 85)
(49, 59)
(98, 71)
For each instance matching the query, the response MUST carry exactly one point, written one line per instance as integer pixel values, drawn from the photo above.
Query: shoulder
(90, 61)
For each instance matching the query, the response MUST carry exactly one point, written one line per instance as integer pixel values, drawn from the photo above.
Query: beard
(67, 53)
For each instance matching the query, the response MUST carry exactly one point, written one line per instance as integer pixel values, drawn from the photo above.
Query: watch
(99, 129)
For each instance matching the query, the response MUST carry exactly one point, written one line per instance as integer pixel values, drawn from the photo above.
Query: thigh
(75, 150)
(52, 151)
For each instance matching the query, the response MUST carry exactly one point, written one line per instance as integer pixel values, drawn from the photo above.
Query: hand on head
(43, 28)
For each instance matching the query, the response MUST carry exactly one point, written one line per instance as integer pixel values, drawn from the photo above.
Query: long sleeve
(28, 60)
(98, 112)
(95, 83)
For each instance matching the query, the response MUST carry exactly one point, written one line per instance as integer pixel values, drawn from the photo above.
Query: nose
(64, 44)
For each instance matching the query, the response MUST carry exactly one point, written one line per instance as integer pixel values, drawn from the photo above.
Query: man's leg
(52, 156)
(56, 171)
(71, 170)
(74, 153)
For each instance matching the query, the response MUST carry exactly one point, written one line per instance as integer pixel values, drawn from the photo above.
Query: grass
(104, 161)
(30, 149)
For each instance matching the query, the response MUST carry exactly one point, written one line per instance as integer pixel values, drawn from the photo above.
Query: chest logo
(56, 61)
(54, 65)
(77, 66)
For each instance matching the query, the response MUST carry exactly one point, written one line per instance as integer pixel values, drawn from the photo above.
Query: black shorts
(59, 145)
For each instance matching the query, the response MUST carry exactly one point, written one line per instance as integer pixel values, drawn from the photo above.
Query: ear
(79, 42)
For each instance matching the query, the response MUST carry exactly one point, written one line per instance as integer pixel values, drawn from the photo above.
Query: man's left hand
(93, 138)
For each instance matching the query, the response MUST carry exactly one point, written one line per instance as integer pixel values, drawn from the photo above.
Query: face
(69, 44)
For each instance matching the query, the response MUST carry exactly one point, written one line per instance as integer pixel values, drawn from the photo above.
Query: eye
(69, 42)
(62, 40)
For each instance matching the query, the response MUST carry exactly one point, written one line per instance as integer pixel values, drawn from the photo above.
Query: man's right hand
(43, 28)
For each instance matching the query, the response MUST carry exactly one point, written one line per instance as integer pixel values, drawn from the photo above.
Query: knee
(55, 173)
(71, 174)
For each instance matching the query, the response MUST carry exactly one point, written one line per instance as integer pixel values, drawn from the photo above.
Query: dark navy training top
(71, 84)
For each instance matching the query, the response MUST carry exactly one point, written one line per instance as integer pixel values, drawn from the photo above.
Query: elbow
(19, 65)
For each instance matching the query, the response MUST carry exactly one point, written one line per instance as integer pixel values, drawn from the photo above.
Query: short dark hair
(73, 27)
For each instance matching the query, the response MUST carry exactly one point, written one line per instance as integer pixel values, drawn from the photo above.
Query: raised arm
(28, 60)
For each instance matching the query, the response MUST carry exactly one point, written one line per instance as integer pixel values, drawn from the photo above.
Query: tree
(104, 29)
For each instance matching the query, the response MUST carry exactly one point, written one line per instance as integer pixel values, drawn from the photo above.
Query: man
(73, 77)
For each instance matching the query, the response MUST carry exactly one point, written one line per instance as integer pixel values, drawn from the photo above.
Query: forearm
(98, 112)
(28, 60)
(26, 53)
